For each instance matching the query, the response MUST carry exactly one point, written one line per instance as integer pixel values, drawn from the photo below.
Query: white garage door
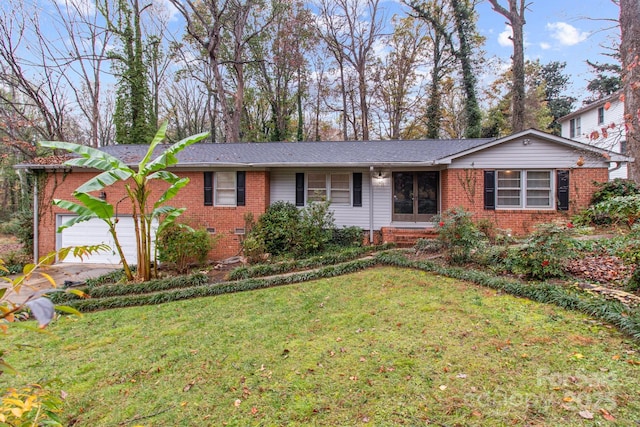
(94, 232)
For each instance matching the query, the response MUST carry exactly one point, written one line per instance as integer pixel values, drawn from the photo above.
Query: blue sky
(570, 31)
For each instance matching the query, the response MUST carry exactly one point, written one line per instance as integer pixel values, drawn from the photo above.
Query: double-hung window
(225, 188)
(524, 189)
(575, 128)
(316, 187)
(333, 186)
(601, 115)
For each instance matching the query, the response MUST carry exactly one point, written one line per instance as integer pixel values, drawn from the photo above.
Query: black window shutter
(489, 190)
(241, 188)
(299, 189)
(562, 190)
(208, 188)
(357, 189)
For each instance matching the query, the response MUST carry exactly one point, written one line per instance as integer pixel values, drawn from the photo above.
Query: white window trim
(215, 190)
(523, 191)
(327, 187)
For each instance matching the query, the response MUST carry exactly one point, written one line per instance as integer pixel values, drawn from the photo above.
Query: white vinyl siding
(225, 189)
(283, 189)
(536, 155)
(524, 189)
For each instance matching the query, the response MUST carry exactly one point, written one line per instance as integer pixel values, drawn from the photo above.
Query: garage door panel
(95, 232)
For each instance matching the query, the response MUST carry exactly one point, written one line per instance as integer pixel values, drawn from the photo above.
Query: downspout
(371, 205)
(36, 214)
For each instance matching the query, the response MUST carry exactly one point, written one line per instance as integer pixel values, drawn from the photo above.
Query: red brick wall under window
(465, 188)
(225, 220)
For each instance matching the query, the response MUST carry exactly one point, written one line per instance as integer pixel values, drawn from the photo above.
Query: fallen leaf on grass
(607, 415)
(443, 387)
(586, 415)
(188, 386)
(237, 403)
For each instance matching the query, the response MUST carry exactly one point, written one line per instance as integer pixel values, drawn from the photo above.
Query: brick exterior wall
(459, 187)
(225, 220)
(465, 188)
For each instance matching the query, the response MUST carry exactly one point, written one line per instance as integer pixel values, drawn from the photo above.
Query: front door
(415, 196)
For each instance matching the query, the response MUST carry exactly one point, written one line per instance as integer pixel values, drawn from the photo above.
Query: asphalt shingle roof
(307, 153)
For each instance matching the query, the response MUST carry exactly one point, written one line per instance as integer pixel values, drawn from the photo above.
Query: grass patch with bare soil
(386, 346)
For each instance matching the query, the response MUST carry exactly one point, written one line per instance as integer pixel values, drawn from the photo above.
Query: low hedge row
(345, 255)
(131, 300)
(625, 318)
(102, 290)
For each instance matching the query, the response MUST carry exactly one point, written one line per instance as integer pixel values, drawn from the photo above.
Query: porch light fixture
(102, 195)
(380, 175)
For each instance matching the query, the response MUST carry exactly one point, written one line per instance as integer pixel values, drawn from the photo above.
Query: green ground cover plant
(385, 346)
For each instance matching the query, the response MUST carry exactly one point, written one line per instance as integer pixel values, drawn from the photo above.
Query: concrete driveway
(60, 273)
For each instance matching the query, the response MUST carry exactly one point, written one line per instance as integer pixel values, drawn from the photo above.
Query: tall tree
(462, 40)
(35, 94)
(133, 109)
(280, 61)
(223, 30)
(351, 28)
(630, 57)
(81, 58)
(397, 90)
(515, 16)
(537, 113)
(555, 83)
(607, 80)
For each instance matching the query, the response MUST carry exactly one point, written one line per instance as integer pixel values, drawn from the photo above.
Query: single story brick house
(388, 188)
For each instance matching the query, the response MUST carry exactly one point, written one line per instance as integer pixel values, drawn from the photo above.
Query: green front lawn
(386, 346)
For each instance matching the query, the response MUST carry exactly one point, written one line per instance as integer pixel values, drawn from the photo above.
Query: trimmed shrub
(182, 246)
(316, 228)
(277, 229)
(544, 253)
(284, 230)
(459, 235)
(347, 236)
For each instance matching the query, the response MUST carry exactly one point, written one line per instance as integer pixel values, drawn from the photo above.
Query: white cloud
(566, 34)
(545, 46)
(504, 38)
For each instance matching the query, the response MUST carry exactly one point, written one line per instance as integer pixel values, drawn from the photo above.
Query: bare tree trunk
(515, 15)
(630, 57)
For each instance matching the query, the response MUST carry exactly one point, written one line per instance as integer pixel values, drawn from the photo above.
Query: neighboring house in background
(603, 127)
(391, 189)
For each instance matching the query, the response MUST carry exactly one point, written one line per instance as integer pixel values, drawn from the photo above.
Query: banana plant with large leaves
(137, 183)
